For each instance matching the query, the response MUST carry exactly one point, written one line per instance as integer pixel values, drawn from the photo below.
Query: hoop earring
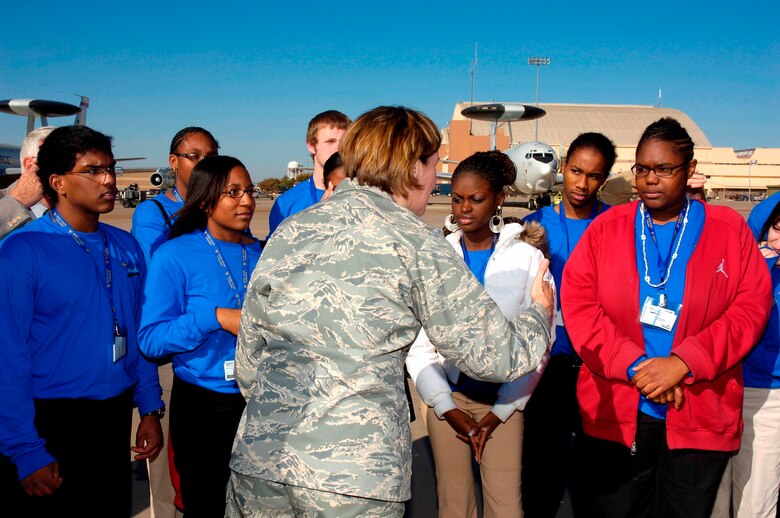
(450, 223)
(496, 222)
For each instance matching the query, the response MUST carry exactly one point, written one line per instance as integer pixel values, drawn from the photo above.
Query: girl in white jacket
(469, 416)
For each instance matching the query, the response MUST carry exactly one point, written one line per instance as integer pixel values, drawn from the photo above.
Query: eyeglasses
(662, 171)
(193, 157)
(239, 193)
(95, 171)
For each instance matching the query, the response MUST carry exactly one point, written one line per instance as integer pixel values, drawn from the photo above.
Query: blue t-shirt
(58, 333)
(181, 297)
(761, 368)
(658, 342)
(299, 197)
(560, 249)
(149, 226)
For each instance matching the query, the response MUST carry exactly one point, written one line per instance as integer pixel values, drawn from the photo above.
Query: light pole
(538, 62)
(750, 175)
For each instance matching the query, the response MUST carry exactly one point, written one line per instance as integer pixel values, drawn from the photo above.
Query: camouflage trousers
(249, 497)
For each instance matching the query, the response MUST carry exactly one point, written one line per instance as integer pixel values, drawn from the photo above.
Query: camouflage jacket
(335, 302)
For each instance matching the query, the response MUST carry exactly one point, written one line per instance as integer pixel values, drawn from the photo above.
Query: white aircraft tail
(81, 117)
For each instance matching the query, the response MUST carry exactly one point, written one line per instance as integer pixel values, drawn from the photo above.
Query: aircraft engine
(163, 178)
(537, 167)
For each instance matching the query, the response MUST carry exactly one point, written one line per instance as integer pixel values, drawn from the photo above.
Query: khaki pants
(500, 467)
(752, 478)
(161, 492)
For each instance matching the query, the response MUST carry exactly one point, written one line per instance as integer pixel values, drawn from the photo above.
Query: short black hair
(770, 222)
(334, 162)
(597, 142)
(669, 130)
(182, 134)
(58, 152)
(493, 166)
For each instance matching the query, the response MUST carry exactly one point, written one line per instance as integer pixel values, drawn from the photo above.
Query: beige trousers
(161, 492)
(752, 478)
(500, 467)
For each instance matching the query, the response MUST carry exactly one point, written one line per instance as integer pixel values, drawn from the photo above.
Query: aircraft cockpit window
(544, 158)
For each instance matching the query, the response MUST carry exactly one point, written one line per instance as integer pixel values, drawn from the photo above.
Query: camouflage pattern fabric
(249, 497)
(336, 300)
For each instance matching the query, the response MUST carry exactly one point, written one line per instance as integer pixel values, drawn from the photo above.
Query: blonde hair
(382, 147)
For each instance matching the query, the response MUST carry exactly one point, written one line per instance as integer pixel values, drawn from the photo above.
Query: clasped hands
(659, 379)
(467, 429)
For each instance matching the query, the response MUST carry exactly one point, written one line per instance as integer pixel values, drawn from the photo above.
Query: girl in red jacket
(662, 299)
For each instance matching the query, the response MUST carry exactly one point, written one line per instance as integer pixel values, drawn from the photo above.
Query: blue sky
(254, 74)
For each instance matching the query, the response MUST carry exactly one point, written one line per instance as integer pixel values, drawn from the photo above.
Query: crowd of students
(624, 376)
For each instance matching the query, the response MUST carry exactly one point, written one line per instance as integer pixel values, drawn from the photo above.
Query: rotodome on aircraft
(537, 162)
(32, 109)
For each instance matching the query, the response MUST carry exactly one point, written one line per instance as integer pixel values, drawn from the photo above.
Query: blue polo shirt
(149, 227)
(294, 200)
(560, 249)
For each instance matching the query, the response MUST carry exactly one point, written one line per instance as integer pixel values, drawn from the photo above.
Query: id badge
(120, 348)
(654, 315)
(230, 370)
(559, 317)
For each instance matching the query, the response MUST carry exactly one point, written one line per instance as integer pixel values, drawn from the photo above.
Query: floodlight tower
(538, 62)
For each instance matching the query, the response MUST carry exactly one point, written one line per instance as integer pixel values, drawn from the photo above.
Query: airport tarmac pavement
(423, 502)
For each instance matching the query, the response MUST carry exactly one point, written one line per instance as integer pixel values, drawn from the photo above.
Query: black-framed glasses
(192, 157)
(94, 171)
(661, 171)
(239, 193)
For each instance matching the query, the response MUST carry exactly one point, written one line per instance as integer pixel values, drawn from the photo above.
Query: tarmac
(423, 502)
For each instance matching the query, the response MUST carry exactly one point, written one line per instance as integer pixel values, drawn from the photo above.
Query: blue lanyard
(562, 217)
(663, 266)
(55, 216)
(466, 255)
(239, 295)
(177, 195)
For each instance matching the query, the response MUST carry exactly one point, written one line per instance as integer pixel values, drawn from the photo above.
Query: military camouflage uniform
(334, 304)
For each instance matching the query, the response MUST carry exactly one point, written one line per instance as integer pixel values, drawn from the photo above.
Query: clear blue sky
(254, 75)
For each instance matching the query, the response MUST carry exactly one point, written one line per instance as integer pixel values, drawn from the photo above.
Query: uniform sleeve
(594, 336)
(428, 376)
(19, 439)
(166, 327)
(251, 343)
(13, 215)
(726, 341)
(149, 228)
(466, 326)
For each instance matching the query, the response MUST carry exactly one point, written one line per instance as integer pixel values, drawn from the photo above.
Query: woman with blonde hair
(338, 296)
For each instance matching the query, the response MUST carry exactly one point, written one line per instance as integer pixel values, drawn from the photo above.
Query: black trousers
(91, 441)
(552, 419)
(203, 423)
(655, 481)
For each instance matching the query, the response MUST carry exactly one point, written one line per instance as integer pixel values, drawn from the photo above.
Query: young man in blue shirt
(322, 139)
(70, 367)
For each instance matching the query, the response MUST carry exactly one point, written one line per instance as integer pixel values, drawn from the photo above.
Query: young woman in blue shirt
(192, 306)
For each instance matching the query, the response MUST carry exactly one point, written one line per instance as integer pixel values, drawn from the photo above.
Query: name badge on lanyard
(230, 370)
(656, 314)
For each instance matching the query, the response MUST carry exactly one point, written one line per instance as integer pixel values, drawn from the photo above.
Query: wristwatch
(159, 413)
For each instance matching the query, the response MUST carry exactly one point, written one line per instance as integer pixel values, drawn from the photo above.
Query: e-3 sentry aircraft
(537, 162)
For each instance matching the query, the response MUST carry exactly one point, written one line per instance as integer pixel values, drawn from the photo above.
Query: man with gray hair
(18, 200)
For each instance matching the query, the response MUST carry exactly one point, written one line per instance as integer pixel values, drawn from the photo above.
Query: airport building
(730, 172)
